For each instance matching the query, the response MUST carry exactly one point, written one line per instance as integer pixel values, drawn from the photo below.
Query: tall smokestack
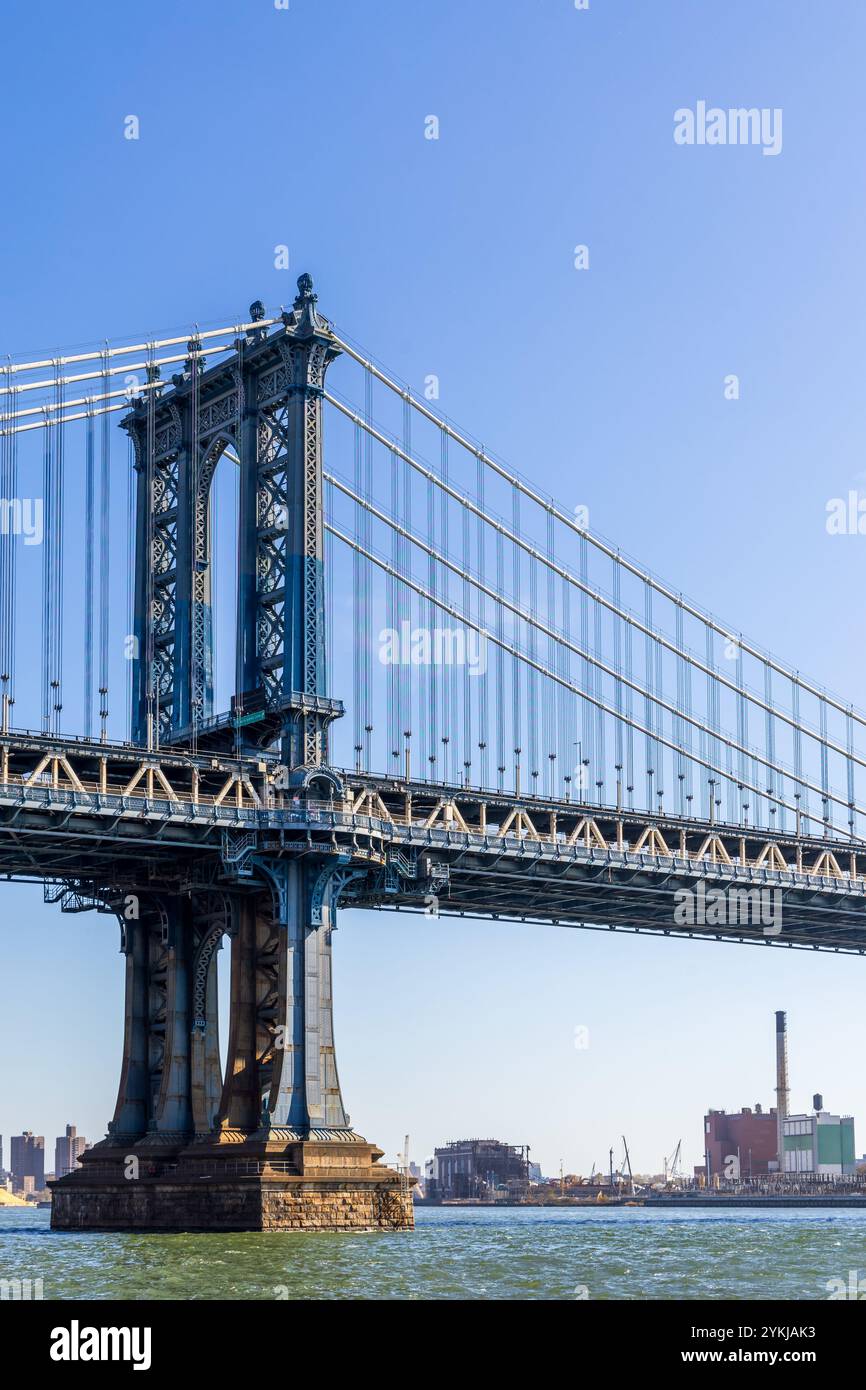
(781, 1082)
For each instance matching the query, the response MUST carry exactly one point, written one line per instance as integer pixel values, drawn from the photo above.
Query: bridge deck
(433, 847)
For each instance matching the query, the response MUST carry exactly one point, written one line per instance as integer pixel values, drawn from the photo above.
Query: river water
(461, 1253)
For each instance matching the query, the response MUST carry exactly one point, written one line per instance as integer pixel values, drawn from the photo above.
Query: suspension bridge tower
(269, 1145)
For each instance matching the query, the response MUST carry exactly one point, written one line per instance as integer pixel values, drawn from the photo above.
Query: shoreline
(680, 1203)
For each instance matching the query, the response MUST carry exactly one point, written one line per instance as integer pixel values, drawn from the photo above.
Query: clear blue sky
(261, 127)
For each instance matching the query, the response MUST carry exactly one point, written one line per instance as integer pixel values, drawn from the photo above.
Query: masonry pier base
(300, 1185)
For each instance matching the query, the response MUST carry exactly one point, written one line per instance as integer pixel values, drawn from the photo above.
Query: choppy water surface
(521, 1253)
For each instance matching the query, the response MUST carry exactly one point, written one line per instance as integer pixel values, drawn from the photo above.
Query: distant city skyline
(26, 1151)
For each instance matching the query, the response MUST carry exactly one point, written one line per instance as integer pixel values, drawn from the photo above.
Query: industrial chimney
(781, 1082)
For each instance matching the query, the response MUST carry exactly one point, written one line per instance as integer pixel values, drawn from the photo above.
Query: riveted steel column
(132, 1110)
(308, 350)
(249, 677)
(206, 1071)
(173, 1102)
(241, 1102)
(182, 694)
(305, 1088)
(141, 618)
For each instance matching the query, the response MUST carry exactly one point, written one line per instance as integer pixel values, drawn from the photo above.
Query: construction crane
(671, 1174)
(628, 1167)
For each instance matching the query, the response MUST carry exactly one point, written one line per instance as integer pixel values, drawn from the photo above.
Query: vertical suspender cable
(801, 794)
(57, 562)
(690, 736)
(617, 662)
(826, 813)
(468, 636)
(105, 564)
(367, 577)
(679, 725)
(770, 735)
(649, 706)
(130, 578)
(742, 727)
(567, 705)
(629, 710)
(500, 666)
(52, 561)
(6, 532)
(368, 574)
(425, 686)
(431, 736)
(849, 732)
(600, 765)
(89, 565)
(152, 673)
(516, 712)
(199, 580)
(483, 701)
(8, 542)
(734, 811)
(551, 692)
(586, 748)
(47, 545)
(406, 595)
(368, 611)
(240, 450)
(359, 608)
(328, 504)
(394, 625)
(447, 669)
(453, 745)
(714, 790)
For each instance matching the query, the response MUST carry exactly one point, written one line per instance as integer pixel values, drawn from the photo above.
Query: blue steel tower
(271, 1144)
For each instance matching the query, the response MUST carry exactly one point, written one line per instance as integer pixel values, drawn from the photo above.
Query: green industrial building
(819, 1144)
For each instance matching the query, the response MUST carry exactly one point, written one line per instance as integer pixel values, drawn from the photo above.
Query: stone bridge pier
(269, 1146)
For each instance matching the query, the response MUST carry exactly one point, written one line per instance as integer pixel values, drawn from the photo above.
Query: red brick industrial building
(750, 1135)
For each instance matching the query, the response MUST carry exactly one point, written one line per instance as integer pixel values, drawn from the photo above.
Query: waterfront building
(67, 1149)
(743, 1143)
(819, 1143)
(479, 1168)
(27, 1160)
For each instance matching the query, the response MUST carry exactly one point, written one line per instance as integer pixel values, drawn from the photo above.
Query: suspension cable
(533, 622)
(549, 506)
(522, 656)
(512, 534)
(99, 354)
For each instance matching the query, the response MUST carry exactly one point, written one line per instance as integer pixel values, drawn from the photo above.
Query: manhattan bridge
(289, 641)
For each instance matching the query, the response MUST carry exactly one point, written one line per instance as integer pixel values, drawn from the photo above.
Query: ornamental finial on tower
(257, 314)
(305, 294)
(306, 319)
